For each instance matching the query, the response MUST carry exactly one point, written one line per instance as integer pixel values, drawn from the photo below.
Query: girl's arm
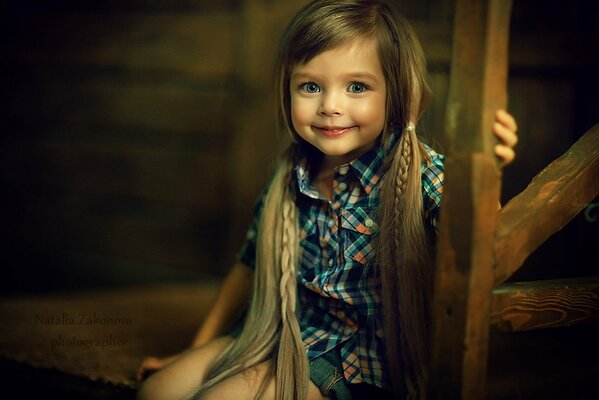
(231, 301)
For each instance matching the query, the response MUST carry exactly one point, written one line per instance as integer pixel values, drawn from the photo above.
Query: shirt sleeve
(247, 253)
(433, 174)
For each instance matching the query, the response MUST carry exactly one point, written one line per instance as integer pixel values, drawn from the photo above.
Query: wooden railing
(551, 200)
(478, 247)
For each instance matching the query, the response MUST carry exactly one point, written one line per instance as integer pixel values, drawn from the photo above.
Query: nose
(331, 104)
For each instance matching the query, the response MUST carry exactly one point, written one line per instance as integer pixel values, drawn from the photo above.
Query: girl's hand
(505, 129)
(152, 364)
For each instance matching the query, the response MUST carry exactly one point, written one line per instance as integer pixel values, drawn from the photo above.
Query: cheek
(300, 112)
(371, 113)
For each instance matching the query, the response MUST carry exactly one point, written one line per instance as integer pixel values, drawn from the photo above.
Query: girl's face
(338, 100)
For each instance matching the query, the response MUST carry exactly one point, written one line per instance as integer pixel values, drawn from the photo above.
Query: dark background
(136, 134)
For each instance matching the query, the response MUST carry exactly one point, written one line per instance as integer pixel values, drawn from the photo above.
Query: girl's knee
(165, 385)
(183, 376)
(152, 389)
(244, 385)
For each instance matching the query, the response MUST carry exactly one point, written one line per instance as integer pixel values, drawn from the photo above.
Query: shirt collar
(367, 167)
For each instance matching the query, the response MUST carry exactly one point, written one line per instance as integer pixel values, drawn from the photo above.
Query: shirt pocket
(358, 228)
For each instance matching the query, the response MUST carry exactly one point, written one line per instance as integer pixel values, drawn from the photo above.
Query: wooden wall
(136, 134)
(120, 116)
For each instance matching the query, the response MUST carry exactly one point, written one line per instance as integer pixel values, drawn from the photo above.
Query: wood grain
(523, 306)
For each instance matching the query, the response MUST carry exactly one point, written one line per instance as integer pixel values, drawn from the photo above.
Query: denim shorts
(326, 373)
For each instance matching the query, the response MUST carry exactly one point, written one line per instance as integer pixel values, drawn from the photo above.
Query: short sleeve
(433, 173)
(247, 253)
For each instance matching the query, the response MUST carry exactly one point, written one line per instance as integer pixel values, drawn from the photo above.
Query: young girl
(341, 246)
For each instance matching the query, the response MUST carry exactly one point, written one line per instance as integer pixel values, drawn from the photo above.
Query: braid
(287, 286)
(401, 177)
(404, 158)
(292, 381)
(271, 329)
(405, 269)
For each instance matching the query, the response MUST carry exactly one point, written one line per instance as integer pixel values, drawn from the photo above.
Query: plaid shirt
(339, 289)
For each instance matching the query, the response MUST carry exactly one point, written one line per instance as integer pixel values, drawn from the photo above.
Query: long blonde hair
(271, 329)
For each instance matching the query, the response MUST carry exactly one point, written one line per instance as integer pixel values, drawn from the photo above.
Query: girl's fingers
(506, 119)
(148, 365)
(505, 128)
(505, 154)
(506, 135)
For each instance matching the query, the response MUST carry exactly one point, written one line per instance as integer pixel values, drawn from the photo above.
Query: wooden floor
(95, 340)
(88, 345)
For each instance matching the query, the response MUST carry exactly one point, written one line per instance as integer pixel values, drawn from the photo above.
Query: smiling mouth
(332, 131)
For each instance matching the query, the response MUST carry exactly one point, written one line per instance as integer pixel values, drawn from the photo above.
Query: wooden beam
(551, 200)
(523, 306)
(464, 276)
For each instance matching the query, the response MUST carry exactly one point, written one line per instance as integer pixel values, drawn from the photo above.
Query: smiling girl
(353, 204)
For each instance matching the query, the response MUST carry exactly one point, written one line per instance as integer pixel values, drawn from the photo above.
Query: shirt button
(331, 223)
(342, 186)
(369, 223)
(343, 170)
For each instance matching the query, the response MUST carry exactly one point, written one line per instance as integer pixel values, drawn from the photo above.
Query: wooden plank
(120, 238)
(187, 179)
(107, 236)
(110, 135)
(48, 204)
(169, 108)
(464, 277)
(196, 45)
(523, 306)
(116, 250)
(551, 200)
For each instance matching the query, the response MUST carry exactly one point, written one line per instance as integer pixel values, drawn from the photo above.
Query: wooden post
(464, 277)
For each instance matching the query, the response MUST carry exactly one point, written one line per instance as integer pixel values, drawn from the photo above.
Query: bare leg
(245, 385)
(184, 375)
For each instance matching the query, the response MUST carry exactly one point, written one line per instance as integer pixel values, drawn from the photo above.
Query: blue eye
(357, 87)
(310, 87)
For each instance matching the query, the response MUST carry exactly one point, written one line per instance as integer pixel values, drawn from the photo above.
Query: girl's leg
(245, 385)
(184, 375)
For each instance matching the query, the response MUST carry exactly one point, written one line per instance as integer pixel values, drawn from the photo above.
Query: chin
(335, 152)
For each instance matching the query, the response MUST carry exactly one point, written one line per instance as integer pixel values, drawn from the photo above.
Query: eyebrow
(348, 76)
